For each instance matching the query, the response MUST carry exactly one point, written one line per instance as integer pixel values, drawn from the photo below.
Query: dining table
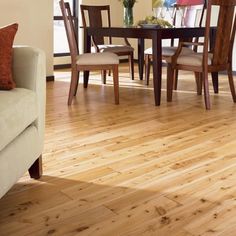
(156, 35)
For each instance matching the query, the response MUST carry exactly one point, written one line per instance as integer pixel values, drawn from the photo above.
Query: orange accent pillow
(7, 35)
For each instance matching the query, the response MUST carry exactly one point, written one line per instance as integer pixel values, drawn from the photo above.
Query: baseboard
(127, 60)
(50, 78)
(62, 66)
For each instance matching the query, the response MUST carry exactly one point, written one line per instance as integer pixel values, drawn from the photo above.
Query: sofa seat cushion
(18, 109)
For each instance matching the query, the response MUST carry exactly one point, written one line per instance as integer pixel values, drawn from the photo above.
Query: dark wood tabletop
(156, 35)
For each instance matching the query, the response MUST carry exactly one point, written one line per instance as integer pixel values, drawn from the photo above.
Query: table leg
(157, 67)
(140, 57)
(87, 49)
(214, 75)
(215, 81)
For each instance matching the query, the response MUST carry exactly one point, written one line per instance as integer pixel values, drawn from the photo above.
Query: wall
(35, 20)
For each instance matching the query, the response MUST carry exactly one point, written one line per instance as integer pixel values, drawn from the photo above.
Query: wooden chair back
(70, 30)
(186, 20)
(225, 34)
(186, 11)
(95, 14)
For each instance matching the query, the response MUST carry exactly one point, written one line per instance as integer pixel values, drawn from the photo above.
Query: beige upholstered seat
(22, 118)
(168, 51)
(18, 109)
(191, 59)
(97, 59)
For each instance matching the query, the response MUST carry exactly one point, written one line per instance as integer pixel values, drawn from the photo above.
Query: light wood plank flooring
(132, 169)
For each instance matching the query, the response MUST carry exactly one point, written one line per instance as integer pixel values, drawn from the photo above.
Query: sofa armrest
(28, 67)
(29, 71)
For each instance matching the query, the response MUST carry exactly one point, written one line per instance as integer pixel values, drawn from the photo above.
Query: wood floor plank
(132, 169)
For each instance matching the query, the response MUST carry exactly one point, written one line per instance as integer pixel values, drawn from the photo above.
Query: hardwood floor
(130, 169)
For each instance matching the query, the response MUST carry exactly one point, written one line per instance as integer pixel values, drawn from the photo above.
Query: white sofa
(22, 118)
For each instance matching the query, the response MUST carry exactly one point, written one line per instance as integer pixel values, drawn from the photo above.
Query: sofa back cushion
(7, 35)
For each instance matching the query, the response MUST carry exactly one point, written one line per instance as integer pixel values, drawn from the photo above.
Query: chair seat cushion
(18, 109)
(168, 51)
(104, 58)
(113, 48)
(192, 59)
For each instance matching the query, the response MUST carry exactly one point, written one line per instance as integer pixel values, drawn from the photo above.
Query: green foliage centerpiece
(154, 22)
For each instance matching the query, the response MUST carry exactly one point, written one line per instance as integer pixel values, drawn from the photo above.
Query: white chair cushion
(104, 58)
(192, 59)
(148, 51)
(113, 48)
(168, 51)
(18, 109)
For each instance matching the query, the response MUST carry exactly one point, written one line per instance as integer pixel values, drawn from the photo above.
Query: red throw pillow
(7, 35)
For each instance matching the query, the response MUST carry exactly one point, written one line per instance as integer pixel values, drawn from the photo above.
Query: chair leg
(131, 65)
(231, 83)
(170, 78)
(36, 169)
(116, 83)
(74, 76)
(198, 79)
(147, 68)
(215, 81)
(86, 78)
(77, 83)
(104, 76)
(206, 90)
(175, 82)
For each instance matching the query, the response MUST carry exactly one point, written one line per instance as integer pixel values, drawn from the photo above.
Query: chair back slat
(223, 34)
(186, 19)
(95, 19)
(189, 13)
(70, 29)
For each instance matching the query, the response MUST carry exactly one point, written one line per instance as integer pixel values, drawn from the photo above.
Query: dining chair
(181, 10)
(92, 15)
(86, 61)
(217, 59)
